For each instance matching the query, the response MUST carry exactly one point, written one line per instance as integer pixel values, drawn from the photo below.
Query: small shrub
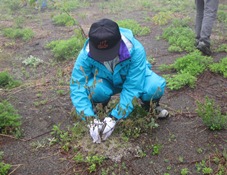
(180, 37)
(211, 115)
(220, 67)
(13, 5)
(133, 25)
(66, 49)
(32, 61)
(4, 168)
(14, 33)
(156, 149)
(10, 121)
(140, 121)
(63, 20)
(222, 48)
(222, 16)
(184, 171)
(6, 81)
(188, 68)
(92, 161)
(177, 81)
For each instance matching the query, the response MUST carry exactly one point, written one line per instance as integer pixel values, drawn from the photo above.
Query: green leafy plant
(4, 168)
(222, 16)
(32, 61)
(177, 81)
(69, 5)
(184, 171)
(188, 68)
(14, 33)
(13, 5)
(133, 25)
(65, 137)
(207, 170)
(156, 149)
(222, 48)
(162, 18)
(6, 81)
(63, 20)
(61, 136)
(180, 37)
(220, 67)
(91, 161)
(140, 121)
(211, 115)
(66, 49)
(10, 120)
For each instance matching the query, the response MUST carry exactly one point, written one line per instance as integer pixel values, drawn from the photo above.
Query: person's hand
(109, 124)
(95, 128)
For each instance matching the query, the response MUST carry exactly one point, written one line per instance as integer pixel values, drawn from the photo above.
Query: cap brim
(104, 55)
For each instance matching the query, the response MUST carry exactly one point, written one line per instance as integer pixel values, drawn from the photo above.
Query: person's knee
(155, 89)
(100, 93)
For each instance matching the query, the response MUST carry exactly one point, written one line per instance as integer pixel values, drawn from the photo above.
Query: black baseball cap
(104, 40)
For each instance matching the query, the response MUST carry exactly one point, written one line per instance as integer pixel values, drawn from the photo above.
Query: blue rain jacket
(128, 75)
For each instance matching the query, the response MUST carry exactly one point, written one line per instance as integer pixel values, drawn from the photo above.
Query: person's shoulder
(126, 32)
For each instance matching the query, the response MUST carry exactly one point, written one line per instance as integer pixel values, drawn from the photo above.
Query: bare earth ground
(181, 135)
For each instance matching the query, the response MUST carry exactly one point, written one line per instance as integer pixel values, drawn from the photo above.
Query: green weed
(91, 161)
(222, 16)
(211, 115)
(65, 137)
(140, 121)
(10, 120)
(14, 33)
(162, 18)
(61, 92)
(172, 5)
(220, 67)
(4, 168)
(133, 25)
(66, 49)
(184, 171)
(156, 149)
(40, 103)
(199, 150)
(179, 80)
(69, 5)
(13, 5)
(6, 81)
(188, 68)
(222, 48)
(63, 20)
(180, 36)
(32, 61)
(60, 136)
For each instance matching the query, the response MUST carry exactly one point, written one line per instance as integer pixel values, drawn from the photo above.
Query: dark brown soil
(180, 136)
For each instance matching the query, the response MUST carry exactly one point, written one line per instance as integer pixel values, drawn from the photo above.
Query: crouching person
(113, 61)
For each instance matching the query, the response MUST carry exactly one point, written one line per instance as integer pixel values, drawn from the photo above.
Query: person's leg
(154, 89)
(210, 13)
(199, 17)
